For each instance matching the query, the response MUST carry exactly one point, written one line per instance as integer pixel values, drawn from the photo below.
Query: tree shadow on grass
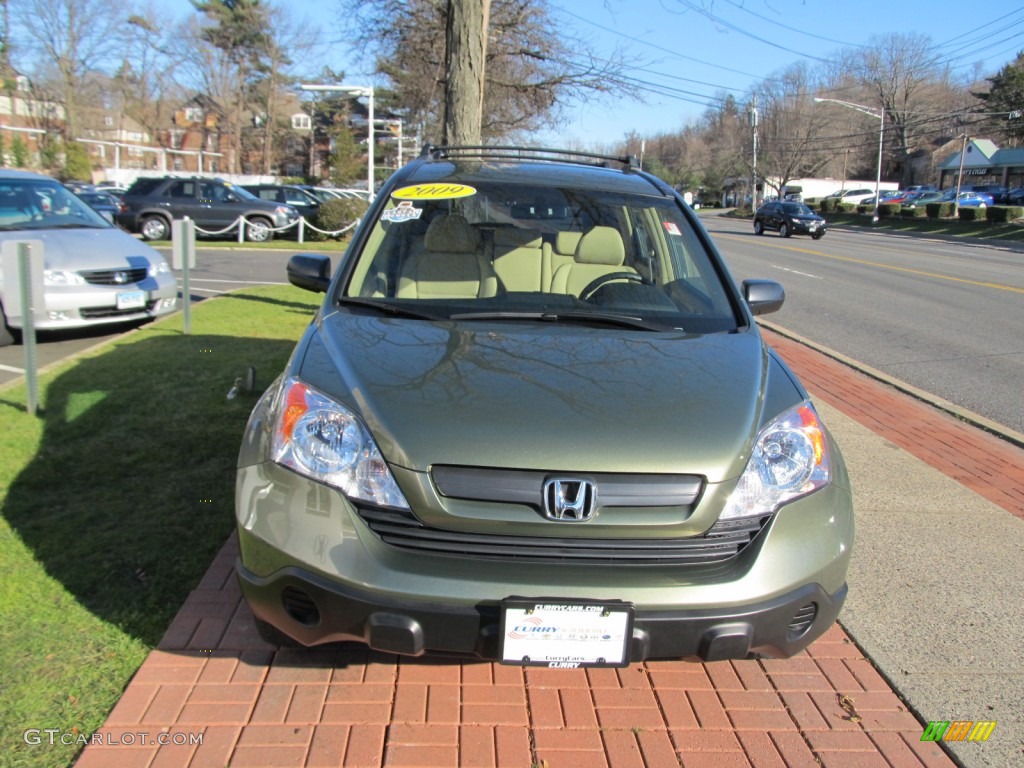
(130, 493)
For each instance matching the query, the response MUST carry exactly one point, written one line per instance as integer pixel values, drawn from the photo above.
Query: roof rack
(543, 154)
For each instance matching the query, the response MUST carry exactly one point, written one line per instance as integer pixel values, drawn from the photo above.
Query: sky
(687, 52)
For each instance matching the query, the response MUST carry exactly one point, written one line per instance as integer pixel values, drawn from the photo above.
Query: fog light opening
(300, 606)
(802, 620)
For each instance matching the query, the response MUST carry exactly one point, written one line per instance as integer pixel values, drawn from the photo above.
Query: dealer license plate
(565, 633)
(131, 299)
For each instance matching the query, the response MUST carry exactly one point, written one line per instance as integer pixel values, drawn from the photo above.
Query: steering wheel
(591, 288)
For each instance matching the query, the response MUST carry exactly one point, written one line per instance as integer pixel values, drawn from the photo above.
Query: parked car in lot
(298, 198)
(94, 273)
(789, 218)
(1000, 195)
(922, 198)
(974, 200)
(535, 421)
(885, 197)
(151, 203)
(853, 196)
(105, 205)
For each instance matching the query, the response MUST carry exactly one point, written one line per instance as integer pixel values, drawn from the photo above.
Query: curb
(974, 419)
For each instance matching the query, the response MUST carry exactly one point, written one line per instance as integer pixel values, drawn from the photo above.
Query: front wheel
(758, 227)
(155, 228)
(784, 231)
(258, 230)
(817, 235)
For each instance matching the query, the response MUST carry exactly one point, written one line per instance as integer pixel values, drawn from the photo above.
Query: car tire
(817, 235)
(258, 230)
(758, 228)
(155, 228)
(784, 230)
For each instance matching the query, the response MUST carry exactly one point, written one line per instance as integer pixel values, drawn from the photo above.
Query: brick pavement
(255, 705)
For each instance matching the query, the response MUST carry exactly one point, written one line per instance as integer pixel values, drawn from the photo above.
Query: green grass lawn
(114, 501)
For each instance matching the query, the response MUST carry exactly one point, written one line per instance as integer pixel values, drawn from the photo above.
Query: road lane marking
(908, 270)
(11, 369)
(797, 272)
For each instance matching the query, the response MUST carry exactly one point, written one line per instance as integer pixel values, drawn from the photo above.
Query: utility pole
(960, 176)
(753, 165)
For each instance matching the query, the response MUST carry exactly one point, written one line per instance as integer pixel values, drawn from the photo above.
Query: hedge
(1001, 214)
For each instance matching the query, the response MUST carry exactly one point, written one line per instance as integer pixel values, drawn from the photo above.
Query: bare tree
(530, 73)
(902, 74)
(791, 126)
(144, 79)
(69, 40)
(465, 65)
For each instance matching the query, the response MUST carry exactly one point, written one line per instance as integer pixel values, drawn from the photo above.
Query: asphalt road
(946, 318)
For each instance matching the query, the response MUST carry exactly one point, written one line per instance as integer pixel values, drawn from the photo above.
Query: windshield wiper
(396, 310)
(626, 321)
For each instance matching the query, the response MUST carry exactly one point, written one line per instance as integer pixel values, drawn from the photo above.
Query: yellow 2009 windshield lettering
(436, 191)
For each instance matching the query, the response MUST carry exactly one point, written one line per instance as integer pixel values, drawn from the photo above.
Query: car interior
(616, 252)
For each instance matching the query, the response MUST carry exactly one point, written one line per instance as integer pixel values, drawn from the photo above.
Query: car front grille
(719, 543)
(125, 276)
(95, 313)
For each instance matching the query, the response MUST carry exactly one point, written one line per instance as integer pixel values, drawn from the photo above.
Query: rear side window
(144, 186)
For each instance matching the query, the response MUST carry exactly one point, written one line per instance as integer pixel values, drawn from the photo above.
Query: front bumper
(312, 568)
(314, 610)
(807, 227)
(82, 306)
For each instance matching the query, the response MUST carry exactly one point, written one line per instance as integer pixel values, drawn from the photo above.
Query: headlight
(62, 277)
(790, 459)
(321, 439)
(159, 267)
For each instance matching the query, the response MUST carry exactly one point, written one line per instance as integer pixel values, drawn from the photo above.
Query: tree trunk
(465, 57)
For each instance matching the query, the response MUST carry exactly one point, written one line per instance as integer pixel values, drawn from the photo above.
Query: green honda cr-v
(534, 420)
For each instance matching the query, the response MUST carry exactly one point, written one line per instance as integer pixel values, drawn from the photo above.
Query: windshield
(30, 204)
(504, 251)
(797, 209)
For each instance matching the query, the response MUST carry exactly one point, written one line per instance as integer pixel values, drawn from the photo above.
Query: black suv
(150, 204)
(789, 218)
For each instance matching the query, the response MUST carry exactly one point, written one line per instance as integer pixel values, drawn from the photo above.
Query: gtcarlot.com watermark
(35, 737)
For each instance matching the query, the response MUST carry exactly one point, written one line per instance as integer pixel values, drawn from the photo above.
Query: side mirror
(310, 271)
(763, 296)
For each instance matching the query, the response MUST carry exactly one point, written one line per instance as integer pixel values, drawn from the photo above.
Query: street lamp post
(355, 91)
(880, 116)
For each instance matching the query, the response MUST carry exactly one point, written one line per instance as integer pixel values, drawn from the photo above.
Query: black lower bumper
(313, 610)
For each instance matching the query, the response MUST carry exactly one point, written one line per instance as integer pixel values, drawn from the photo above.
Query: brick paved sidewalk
(255, 705)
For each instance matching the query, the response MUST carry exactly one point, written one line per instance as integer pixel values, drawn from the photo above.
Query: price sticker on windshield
(434, 191)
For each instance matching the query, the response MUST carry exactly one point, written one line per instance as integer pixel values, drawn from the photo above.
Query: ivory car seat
(519, 259)
(450, 266)
(600, 252)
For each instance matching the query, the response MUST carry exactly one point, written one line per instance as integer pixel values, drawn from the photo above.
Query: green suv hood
(533, 395)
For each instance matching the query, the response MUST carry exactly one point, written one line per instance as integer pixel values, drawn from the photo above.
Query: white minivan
(94, 272)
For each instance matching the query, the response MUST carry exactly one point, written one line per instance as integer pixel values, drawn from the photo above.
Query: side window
(213, 192)
(181, 190)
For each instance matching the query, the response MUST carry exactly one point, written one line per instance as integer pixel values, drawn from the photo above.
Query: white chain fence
(241, 225)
